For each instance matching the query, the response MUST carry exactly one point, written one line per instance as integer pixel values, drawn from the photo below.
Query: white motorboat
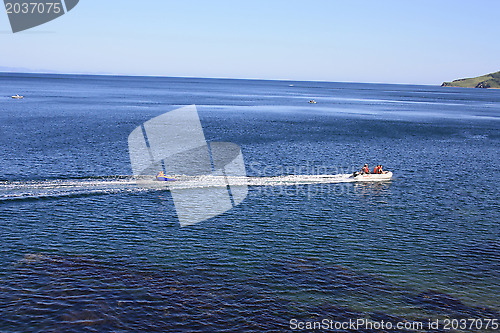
(370, 177)
(17, 96)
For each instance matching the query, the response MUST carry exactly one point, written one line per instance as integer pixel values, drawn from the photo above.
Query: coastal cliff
(491, 80)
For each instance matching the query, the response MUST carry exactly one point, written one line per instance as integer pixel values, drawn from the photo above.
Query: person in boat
(380, 170)
(365, 169)
(375, 171)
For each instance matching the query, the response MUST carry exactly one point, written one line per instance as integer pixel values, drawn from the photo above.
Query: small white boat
(17, 97)
(312, 101)
(370, 177)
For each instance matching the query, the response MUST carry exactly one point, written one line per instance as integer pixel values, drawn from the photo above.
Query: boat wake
(221, 181)
(25, 190)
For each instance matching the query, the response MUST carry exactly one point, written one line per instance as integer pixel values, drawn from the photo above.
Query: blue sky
(421, 42)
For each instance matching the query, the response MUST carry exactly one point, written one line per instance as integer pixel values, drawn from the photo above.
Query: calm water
(83, 249)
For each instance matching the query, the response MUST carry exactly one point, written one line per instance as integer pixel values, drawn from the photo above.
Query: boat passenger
(375, 171)
(365, 169)
(380, 169)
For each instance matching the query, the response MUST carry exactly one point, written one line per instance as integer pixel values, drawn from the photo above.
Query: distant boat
(291, 85)
(312, 101)
(17, 96)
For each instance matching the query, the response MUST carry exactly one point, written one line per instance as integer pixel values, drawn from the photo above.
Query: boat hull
(373, 177)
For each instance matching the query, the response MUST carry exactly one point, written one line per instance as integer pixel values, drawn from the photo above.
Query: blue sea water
(83, 249)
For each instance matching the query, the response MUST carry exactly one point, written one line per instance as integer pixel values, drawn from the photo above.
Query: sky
(414, 42)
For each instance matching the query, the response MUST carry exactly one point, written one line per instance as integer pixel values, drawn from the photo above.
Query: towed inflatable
(162, 178)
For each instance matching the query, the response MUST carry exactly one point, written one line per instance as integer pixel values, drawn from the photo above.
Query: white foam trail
(185, 182)
(62, 187)
(73, 187)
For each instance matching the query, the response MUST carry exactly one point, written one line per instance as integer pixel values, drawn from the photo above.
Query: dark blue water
(107, 256)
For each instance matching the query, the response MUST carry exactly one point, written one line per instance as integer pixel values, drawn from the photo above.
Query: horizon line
(200, 77)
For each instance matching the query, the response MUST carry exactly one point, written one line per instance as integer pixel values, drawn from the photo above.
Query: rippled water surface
(85, 249)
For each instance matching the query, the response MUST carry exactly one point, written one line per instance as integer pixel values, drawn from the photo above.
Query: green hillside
(486, 81)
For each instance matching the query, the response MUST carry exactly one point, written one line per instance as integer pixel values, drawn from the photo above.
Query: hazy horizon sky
(424, 42)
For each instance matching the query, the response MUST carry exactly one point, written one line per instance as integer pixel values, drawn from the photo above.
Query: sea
(85, 249)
